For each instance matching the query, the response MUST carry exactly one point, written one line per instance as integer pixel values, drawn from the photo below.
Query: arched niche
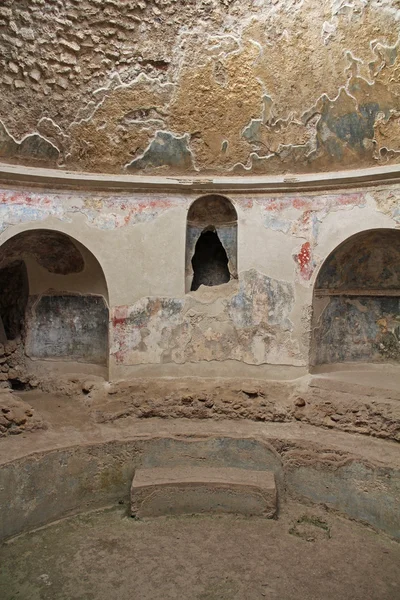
(356, 303)
(53, 299)
(211, 242)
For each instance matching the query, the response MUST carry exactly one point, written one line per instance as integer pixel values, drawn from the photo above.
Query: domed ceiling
(223, 87)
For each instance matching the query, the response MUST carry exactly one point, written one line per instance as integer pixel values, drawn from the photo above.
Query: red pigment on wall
(120, 315)
(304, 260)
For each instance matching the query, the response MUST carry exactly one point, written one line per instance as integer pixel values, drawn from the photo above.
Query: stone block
(196, 490)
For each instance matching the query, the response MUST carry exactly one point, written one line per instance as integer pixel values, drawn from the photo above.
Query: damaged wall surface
(68, 327)
(136, 252)
(209, 86)
(49, 306)
(357, 307)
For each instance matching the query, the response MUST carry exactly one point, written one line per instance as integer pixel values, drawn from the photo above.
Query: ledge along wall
(258, 324)
(36, 491)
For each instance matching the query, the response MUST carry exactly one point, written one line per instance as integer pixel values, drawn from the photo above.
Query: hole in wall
(211, 242)
(210, 261)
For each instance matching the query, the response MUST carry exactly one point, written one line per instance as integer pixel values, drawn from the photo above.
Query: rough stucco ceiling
(53, 250)
(368, 260)
(210, 86)
(212, 210)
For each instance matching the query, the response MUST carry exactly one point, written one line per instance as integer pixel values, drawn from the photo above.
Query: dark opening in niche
(13, 298)
(210, 261)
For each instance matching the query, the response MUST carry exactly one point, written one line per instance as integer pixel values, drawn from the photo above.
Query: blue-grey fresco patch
(165, 150)
(68, 327)
(359, 328)
(33, 147)
(262, 299)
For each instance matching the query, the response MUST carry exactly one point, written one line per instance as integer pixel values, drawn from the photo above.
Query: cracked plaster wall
(256, 324)
(209, 86)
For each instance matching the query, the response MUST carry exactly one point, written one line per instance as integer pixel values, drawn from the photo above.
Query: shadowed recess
(53, 250)
(14, 288)
(367, 260)
(212, 209)
(210, 262)
(356, 309)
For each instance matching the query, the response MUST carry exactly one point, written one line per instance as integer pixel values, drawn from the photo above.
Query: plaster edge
(55, 178)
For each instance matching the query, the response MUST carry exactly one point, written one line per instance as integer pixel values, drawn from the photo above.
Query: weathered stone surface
(197, 490)
(358, 477)
(85, 337)
(33, 147)
(213, 87)
(17, 416)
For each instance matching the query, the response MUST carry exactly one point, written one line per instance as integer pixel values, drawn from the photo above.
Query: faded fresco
(354, 327)
(260, 316)
(359, 328)
(209, 86)
(252, 325)
(67, 327)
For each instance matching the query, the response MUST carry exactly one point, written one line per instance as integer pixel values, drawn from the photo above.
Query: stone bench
(196, 490)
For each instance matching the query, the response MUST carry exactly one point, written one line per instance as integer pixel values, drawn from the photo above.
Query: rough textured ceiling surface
(206, 86)
(367, 260)
(52, 250)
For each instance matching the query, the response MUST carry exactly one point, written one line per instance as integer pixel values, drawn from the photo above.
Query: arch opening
(53, 305)
(356, 303)
(211, 242)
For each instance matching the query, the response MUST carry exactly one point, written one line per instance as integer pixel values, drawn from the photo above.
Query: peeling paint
(216, 86)
(102, 211)
(32, 147)
(166, 150)
(252, 326)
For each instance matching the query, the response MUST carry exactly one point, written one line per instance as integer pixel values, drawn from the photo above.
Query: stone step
(196, 490)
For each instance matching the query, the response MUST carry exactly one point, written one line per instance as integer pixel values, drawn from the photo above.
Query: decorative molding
(57, 178)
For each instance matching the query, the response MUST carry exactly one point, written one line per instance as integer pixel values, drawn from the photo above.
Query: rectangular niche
(68, 327)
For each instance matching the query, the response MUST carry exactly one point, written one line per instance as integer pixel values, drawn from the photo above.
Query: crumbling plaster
(210, 86)
(263, 319)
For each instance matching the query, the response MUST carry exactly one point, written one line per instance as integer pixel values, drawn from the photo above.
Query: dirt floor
(307, 554)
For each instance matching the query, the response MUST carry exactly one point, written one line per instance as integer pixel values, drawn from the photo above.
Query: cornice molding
(16, 175)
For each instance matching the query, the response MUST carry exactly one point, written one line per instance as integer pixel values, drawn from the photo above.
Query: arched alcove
(356, 304)
(211, 242)
(53, 299)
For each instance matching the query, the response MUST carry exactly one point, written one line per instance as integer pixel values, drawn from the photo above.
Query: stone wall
(209, 86)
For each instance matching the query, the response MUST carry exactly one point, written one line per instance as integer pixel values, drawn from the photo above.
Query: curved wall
(257, 325)
(356, 313)
(216, 86)
(44, 486)
(60, 313)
